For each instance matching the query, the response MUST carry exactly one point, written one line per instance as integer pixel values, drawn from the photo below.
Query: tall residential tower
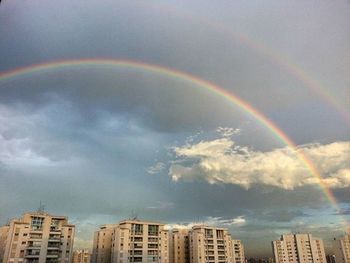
(298, 248)
(37, 237)
(131, 241)
(341, 247)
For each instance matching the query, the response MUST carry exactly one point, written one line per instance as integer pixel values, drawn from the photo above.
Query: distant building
(131, 241)
(238, 251)
(298, 248)
(81, 256)
(330, 259)
(259, 260)
(341, 247)
(102, 244)
(180, 252)
(37, 237)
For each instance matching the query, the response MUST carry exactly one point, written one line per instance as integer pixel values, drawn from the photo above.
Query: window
(208, 233)
(153, 230)
(138, 239)
(37, 223)
(54, 224)
(137, 229)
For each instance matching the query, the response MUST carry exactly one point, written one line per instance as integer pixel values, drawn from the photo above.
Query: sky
(202, 140)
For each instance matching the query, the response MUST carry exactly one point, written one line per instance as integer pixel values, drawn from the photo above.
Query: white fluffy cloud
(211, 221)
(221, 161)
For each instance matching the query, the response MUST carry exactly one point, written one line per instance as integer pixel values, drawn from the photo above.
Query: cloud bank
(211, 221)
(221, 161)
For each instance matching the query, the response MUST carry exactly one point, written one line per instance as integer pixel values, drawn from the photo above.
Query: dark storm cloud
(81, 139)
(161, 102)
(282, 215)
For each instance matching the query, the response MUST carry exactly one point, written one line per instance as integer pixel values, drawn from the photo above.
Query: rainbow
(282, 61)
(219, 91)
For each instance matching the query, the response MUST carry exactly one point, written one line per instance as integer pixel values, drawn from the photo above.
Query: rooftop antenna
(41, 208)
(134, 215)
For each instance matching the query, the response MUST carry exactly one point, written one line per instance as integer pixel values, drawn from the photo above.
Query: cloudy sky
(101, 143)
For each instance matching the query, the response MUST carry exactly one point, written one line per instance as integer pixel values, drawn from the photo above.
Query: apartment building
(4, 230)
(180, 252)
(210, 245)
(81, 256)
(131, 241)
(341, 248)
(331, 259)
(238, 251)
(102, 244)
(37, 237)
(298, 248)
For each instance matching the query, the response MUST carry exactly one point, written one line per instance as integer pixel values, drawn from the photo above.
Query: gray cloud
(81, 139)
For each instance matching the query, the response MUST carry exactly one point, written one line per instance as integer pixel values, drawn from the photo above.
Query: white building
(298, 248)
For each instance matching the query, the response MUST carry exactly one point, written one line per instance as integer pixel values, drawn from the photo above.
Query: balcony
(32, 254)
(55, 230)
(53, 248)
(54, 237)
(32, 246)
(154, 246)
(137, 246)
(35, 236)
(52, 254)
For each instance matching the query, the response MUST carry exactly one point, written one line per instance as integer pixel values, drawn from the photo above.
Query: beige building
(131, 241)
(238, 251)
(205, 244)
(4, 230)
(102, 244)
(210, 245)
(341, 247)
(81, 256)
(298, 248)
(179, 248)
(37, 237)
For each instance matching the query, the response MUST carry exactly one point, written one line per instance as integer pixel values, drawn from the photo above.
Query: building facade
(102, 244)
(180, 251)
(341, 247)
(298, 248)
(37, 237)
(142, 241)
(210, 245)
(238, 251)
(131, 241)
(81, 256)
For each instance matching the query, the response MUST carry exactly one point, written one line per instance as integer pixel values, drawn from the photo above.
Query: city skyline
(104, 235)
(234, 114)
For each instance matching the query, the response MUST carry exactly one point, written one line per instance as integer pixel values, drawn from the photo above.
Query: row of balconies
(37, 254)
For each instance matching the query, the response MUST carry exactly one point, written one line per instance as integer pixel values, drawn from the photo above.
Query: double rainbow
(219, 91)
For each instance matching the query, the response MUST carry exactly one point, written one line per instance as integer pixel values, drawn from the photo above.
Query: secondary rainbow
(280, 60)
(245, 106)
